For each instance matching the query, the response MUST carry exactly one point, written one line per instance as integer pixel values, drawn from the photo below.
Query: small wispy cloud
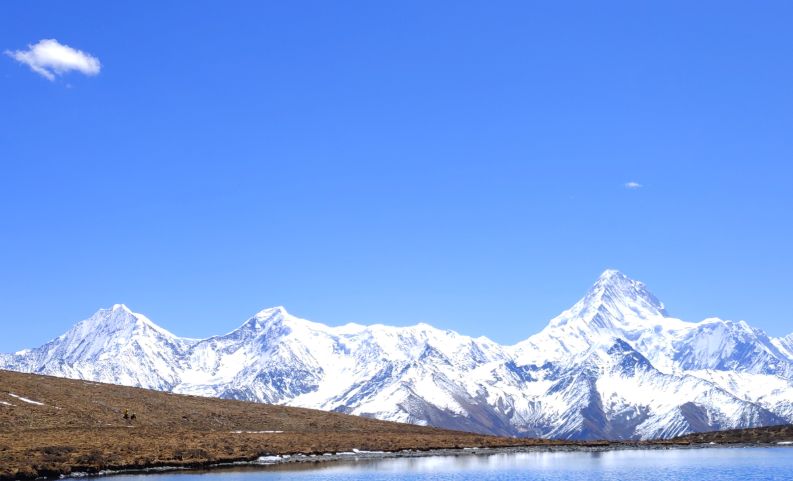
(50, 58)
(633, 185)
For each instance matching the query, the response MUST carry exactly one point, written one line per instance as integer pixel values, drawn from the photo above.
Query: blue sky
(459, 163)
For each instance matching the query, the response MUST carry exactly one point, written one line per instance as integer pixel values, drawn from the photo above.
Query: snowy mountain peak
(610, 275)
(614, 286)
(616, 297)
(612, 278)
(118, 317)
(118, 322)
(270, 316)
(614, 301)
(271, 312)
(264, 319)
(615, 306)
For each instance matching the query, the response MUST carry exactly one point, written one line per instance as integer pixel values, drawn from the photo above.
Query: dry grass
(80, 427)
(767, 435)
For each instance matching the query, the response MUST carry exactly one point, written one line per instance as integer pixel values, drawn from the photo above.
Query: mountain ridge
(640, 373)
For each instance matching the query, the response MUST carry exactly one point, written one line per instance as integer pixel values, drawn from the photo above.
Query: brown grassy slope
(771, 434)
(80, 427)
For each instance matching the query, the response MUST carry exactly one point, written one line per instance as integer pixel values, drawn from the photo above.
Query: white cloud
(633, 185)
(49, 58)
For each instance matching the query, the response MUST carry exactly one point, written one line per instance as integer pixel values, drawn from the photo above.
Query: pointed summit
(616, 306)
(614, 287)
(615, 300)
(612, 276)
(264, 318)
(120, 307)
(272, 311)
(119, 317)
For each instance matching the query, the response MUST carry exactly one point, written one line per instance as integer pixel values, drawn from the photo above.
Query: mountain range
(615, 365)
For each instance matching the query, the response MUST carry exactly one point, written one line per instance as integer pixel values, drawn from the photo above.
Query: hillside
(764, 435)
(51, 426)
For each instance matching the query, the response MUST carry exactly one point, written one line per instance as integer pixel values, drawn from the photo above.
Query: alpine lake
(708, 464)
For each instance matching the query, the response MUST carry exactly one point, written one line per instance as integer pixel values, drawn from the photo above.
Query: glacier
(615, 365)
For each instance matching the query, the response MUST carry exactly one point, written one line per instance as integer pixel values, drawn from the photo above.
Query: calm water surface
(679, 465)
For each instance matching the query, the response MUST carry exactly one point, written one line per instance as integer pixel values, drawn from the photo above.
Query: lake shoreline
(311, 461)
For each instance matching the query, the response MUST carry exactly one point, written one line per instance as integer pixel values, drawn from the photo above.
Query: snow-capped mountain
(114, 345)
(615, 365)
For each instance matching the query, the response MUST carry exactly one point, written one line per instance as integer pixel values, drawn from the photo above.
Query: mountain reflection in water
(635, 465)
